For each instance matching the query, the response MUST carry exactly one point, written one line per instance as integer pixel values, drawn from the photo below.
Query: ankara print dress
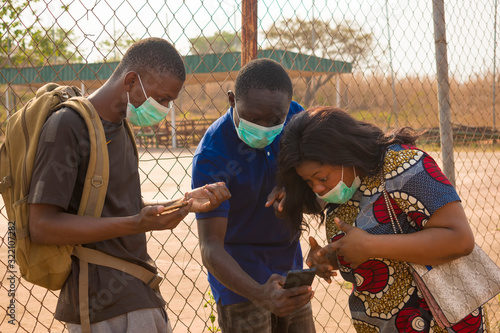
(384, 296)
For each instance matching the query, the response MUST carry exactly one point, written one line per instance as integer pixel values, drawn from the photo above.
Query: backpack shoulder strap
(131, 135)
(93, 196)
(100, 258)
(94, 190)
(97, 177)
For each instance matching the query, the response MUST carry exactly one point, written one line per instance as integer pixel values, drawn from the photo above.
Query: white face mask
(341, 193)
(254, 135)
(148, 113)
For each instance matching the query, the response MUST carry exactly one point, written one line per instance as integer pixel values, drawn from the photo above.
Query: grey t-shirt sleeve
(61, 150)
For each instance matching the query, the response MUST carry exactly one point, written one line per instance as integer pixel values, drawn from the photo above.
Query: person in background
(332, 164)
(245, 247)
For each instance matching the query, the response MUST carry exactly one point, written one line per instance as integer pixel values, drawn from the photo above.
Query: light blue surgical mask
(254, 135)
(148, 113)
(341, 193)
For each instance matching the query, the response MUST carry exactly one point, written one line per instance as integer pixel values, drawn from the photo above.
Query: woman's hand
(208, 197)
(354, 247)
(277, 199)
(325, 265)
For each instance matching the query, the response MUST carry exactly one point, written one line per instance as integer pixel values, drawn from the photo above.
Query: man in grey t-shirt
(148, 78)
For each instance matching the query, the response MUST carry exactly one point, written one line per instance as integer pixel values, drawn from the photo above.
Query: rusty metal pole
(248, 31)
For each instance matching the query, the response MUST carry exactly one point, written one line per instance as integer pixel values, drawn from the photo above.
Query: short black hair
(152, 55)
(262, 74)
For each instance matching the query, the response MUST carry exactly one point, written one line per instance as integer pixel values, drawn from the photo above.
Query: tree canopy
(219, 42)
(113, 48)
(31, 44)
(344, 41)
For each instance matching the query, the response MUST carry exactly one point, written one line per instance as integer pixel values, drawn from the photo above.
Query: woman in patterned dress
(333, 165)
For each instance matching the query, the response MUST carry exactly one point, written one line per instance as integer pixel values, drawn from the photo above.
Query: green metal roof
(210, 67)
(290, 60)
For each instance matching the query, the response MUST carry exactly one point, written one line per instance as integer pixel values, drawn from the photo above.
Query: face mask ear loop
(239, 118)
(128, 97)
(354, 172)
(236, 110)
(140, 81)
(342, 177)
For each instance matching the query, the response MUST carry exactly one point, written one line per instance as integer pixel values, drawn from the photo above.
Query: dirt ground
(177, 254)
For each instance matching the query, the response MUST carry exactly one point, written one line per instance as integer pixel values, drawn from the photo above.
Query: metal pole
(172, 111)
(337, 90)
(114, 38)
(443, 85)
(172, 123)
(313, 32)
(54, 61)
(495, 66)
(248, 31)
(7, 101)
(7, 96)
(394, 99)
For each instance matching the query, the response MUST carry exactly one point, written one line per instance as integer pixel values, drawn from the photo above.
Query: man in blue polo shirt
(245, 247)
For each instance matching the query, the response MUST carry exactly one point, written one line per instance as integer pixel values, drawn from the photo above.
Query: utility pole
(7, 89)
(495, 68)
(172, 105)
(248, 31)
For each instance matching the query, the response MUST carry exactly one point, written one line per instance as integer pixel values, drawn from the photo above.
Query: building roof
(199, 69)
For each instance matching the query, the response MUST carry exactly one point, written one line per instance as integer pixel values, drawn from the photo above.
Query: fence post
(443, 86)
(248, 31)
(7, 101)
(337, 91)
(394, 97)
(494, 68)
(172, 123)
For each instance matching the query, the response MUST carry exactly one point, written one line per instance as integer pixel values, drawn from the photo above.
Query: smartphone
(169, 209)
(299, 277)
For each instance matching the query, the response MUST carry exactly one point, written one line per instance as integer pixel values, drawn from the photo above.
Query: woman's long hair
(329, 136)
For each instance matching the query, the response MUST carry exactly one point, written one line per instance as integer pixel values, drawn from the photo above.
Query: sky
(405, 25)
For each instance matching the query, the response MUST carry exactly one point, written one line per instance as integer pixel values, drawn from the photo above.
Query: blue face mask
(341, 193)
(148, 113)
(254, 135)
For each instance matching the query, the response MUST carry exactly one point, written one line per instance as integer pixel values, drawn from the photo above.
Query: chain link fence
(376, 59)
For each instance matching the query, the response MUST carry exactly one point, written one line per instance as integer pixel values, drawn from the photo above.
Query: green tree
(113, 49)
(346, 41)
(219, 42)
(54, 46)
(24, 44)
(12, 30)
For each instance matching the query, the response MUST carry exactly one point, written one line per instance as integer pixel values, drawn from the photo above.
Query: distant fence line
(189, 133)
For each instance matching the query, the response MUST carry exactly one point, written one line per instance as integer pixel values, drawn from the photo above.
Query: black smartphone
(299, 277)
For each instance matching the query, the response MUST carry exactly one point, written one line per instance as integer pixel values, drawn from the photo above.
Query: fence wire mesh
(376, 59)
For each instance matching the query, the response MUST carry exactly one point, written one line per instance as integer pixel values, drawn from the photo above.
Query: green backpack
(49, 265)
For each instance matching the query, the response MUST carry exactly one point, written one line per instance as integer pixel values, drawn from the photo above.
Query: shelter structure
(200, 69)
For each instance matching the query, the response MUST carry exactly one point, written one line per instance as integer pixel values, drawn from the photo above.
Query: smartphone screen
(299, 277)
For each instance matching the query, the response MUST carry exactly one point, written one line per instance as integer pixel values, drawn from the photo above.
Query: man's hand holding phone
(299, 277)
(280, 301)
(175, 206)
(162, 217)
